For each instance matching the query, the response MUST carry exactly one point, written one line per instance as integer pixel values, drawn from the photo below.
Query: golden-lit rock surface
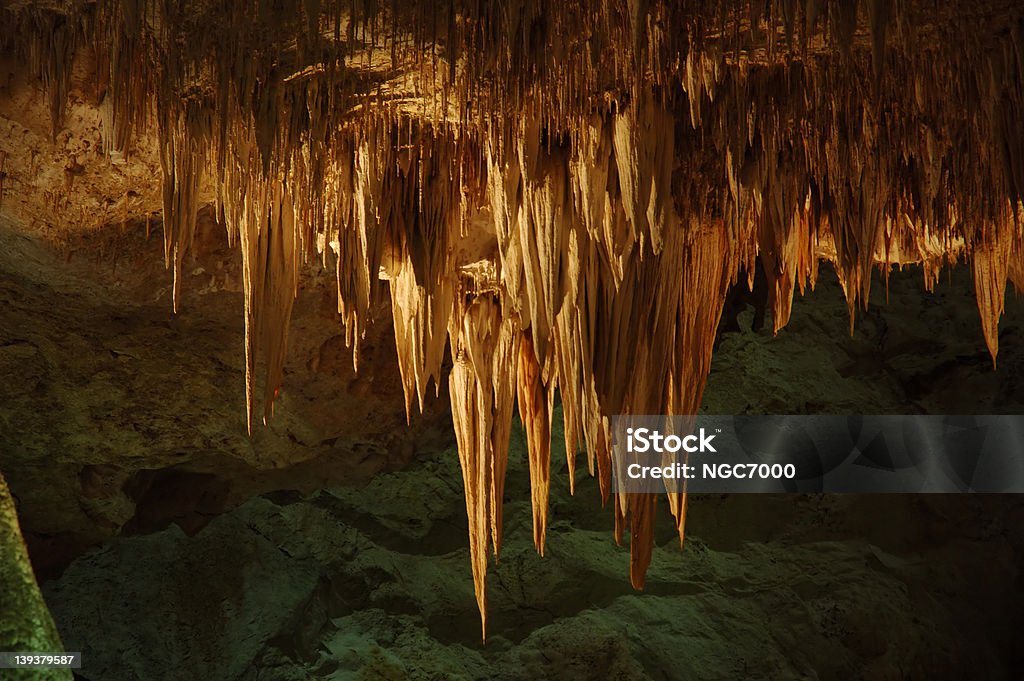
(560, 193)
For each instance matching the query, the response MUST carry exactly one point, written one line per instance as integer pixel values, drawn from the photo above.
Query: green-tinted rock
(25, 623)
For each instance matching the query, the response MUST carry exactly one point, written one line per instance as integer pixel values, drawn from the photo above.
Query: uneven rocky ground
(373, 583)
(123, 430)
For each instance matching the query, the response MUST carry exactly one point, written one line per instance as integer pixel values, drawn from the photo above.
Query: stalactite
(53, 36)
(484, 354)
(991, 265)
(422, 289)
(644, 150)
(421, 320)
(183, 137)
(545, 214)
(536, 418)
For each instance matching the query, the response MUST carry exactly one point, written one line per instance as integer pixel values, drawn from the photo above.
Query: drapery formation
(561, 192)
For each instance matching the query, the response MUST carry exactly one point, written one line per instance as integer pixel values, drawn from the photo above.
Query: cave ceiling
(556, 196)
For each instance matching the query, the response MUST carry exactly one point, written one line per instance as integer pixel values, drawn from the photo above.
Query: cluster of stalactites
(629, 161)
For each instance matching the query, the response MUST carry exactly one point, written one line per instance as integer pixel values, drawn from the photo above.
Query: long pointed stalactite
(535, 413)
(484, 354)
(561, 193)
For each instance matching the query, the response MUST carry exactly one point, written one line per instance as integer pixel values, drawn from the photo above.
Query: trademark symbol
(718, 430)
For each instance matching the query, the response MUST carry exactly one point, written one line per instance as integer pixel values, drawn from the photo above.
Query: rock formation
(26, 625)
(561, 193)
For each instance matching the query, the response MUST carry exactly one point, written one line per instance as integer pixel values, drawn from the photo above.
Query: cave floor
(373, 582)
